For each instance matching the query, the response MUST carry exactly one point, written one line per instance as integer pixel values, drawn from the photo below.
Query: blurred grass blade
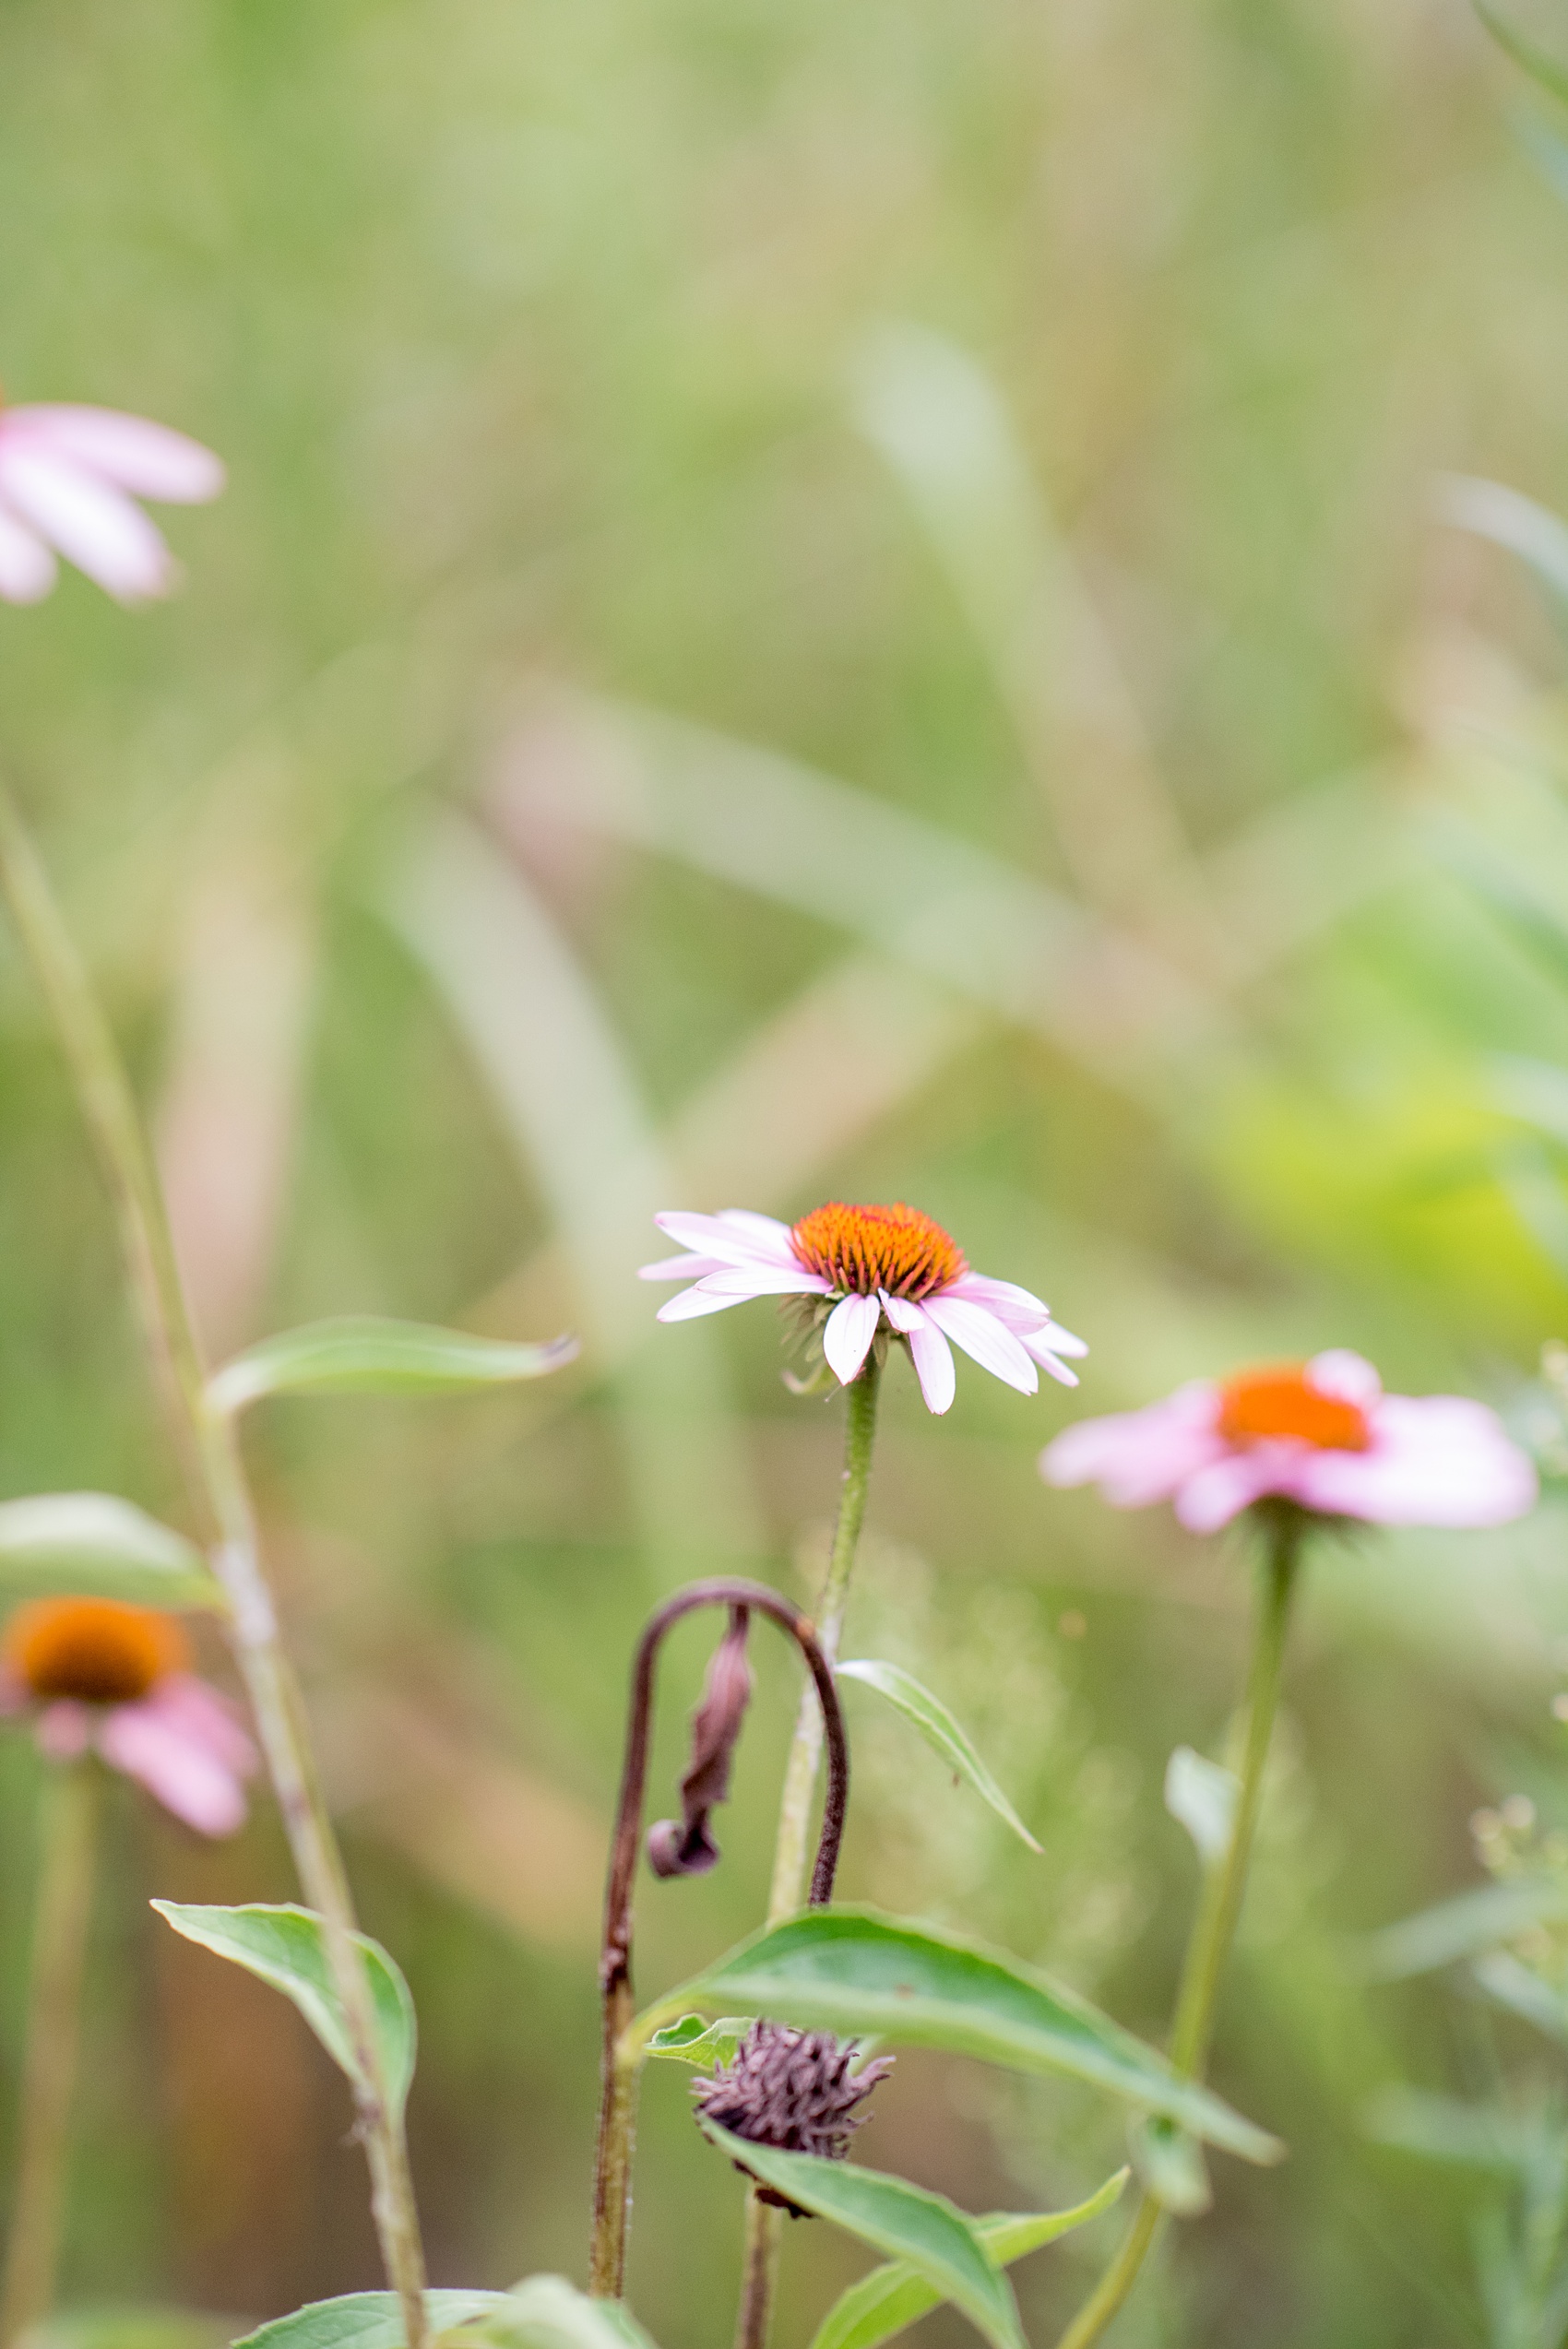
(1464, 1928)
(286, 1947)
(925, 2229)
(891, 2299)
(1509, 519)
(546, 2312)
(1443, 2128)
(1201, 1797)
(1534, 1091)
(1534, 925)
(1502, 1977)
(1542, 69)
(360, 1354)
(930, 1717)
(1170, 2165)
(855, 1970)
(365, 2320)
(699, 2042)
(100, 1546)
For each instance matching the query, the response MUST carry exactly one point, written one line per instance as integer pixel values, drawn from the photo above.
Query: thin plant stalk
(210, 1452)
(759, 2259)
(1214, 1928)
(63, 1910)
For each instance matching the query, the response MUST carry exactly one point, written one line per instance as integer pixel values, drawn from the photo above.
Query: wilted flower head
(116, 1679)
(68, 479)
(794, 2090)
(1322, 1434)
(685, 1846)
(871, 1267)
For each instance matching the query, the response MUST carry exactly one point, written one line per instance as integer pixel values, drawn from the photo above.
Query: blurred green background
(812, 602)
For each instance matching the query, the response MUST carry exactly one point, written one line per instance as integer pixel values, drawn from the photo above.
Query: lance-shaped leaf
(546, 2312)
(365, 2321)
(699, 2042)
(856, 1971)
(360, 1354)
(287, 1947)
(926, 2230)
(1502, 1977)
(1465, 1926)
(937, 1726)
(890, 2298)
(100, 1546)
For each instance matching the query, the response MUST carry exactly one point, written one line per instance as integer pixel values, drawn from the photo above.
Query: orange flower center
(1283, 1402)
(865, 1249)
(97, 1650)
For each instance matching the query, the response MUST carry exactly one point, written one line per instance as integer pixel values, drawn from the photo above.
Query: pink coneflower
(1321, 1433)
(117, 1680)
(876, 1265)
(64, 476)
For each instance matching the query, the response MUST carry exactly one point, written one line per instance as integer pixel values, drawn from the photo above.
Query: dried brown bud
(685, 1847)
(793, 2089)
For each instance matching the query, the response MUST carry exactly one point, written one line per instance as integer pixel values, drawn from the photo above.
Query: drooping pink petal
(28, 570)
(732, 1243)
(757, 1279)
(693, 1303)
(1433, 1460)
(99, 527)
(1221, 1491)
(148, 459)
(1350, 1376)
(176, 1761)
(766, 1230)
(65, 1730)
(1037, 1347)
(984, 1339)
(680, 1268)
(933, 1359)
(847, 1336)
(902, 1312)
(1016, 1308)
(1140, 1456)
(1063, 1341)
(205, 1715)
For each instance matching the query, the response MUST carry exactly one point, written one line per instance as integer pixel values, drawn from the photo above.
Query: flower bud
(794, 2090)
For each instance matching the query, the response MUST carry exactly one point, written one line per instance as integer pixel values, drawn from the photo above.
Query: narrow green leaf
(1536, 926)
(1502, 1977)
(925, 2229)
(101, 1547)
(362, 1355)
(700, 2043)
(1170, 2165)
(1443, 2128)
(939, 1729)
(365, 2321)
(1465, 1926)
(287, 1947)
(891, 2299)
(857, 1972)
(546, 2312)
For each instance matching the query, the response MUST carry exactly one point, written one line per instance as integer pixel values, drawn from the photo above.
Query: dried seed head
(685, 1846)
(793, 2089)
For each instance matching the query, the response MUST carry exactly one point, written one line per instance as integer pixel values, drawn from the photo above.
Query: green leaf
(701, 2044)
(1465, 1926)
(365, 2321)
(546, 2312)
(1201, 1797)
(362, 1355)
(129, 2327)
(1536, 926)
(287, 1947)
(924, 2229)
(857, 1972)
(100, 1547)
(1502, 1977)
(1170, 2165)
(892, 2298)
(1443, 2128)
(939, 1729)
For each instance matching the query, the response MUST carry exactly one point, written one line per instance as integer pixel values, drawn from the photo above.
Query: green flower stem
(211, 1453)
(759, 2267)
(68, 1837)
(1214, 1926)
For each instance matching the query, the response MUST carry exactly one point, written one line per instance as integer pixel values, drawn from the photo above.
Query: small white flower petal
(714, 1236)
(1350, 1376)
(1017, 1309)
(693, 1303)
(28, 570)
(1061, 1340)
(847, 1336)
(145, 457)
(765, 1281)
(985, 1340)
(933, 1359)
(766, 1230)
(96, 526)
(680, 1268)
(902, 1312)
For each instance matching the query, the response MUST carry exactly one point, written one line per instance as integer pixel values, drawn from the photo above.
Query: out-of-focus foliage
(813, 602)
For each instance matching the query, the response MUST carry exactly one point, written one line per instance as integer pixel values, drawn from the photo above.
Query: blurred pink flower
(64, 475)
(1321, 1433)
(877, 1264)
(113, 1679)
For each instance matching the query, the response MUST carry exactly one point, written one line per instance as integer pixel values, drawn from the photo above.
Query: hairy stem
(759, 2267)
(1214, 1926)
(62, 1913)
(209, 1449)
